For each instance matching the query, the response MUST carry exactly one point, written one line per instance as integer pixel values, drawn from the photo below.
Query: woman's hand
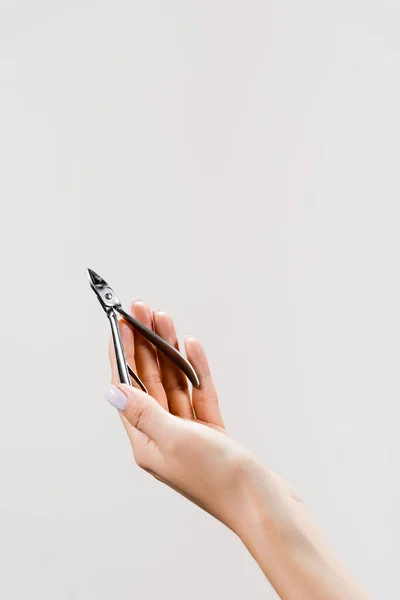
(177, 437)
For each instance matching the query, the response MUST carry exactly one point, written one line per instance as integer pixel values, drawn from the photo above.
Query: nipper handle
(172, 353)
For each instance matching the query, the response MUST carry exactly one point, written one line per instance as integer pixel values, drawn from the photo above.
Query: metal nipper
(111, 305)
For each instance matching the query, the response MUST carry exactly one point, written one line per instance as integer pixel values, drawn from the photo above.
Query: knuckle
(143, 417)
(140, 461)
(204, 376)
(176, 386)
(212, 399)
(152, 378)
(206, 382)
(140, 413)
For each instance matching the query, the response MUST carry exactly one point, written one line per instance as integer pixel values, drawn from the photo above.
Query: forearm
(300, 570)
(291, 552)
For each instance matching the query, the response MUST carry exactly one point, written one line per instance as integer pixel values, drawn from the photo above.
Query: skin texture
(180, 438)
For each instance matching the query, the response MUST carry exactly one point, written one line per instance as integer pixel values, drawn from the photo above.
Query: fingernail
(115, 397)
(136, 301)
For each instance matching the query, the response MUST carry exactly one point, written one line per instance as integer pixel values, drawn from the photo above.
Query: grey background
(237, 164)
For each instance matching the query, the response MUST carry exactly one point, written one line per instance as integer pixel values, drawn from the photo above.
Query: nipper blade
(95, 279)
(105, 294)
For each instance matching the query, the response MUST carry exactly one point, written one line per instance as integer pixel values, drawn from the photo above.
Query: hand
(179, 438)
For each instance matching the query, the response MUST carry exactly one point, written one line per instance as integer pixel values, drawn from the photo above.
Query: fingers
(163, 379)
(174, 381)
(204, 399)
(146, 355)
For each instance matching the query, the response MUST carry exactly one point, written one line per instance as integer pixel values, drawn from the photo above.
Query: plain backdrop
(237, 164)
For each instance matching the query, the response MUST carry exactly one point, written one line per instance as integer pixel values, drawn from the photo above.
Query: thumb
(141, 410)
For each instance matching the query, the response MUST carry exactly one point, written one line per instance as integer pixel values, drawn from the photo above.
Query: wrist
(269, 508)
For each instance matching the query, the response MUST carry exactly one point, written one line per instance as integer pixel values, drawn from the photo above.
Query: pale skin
(180, 438)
